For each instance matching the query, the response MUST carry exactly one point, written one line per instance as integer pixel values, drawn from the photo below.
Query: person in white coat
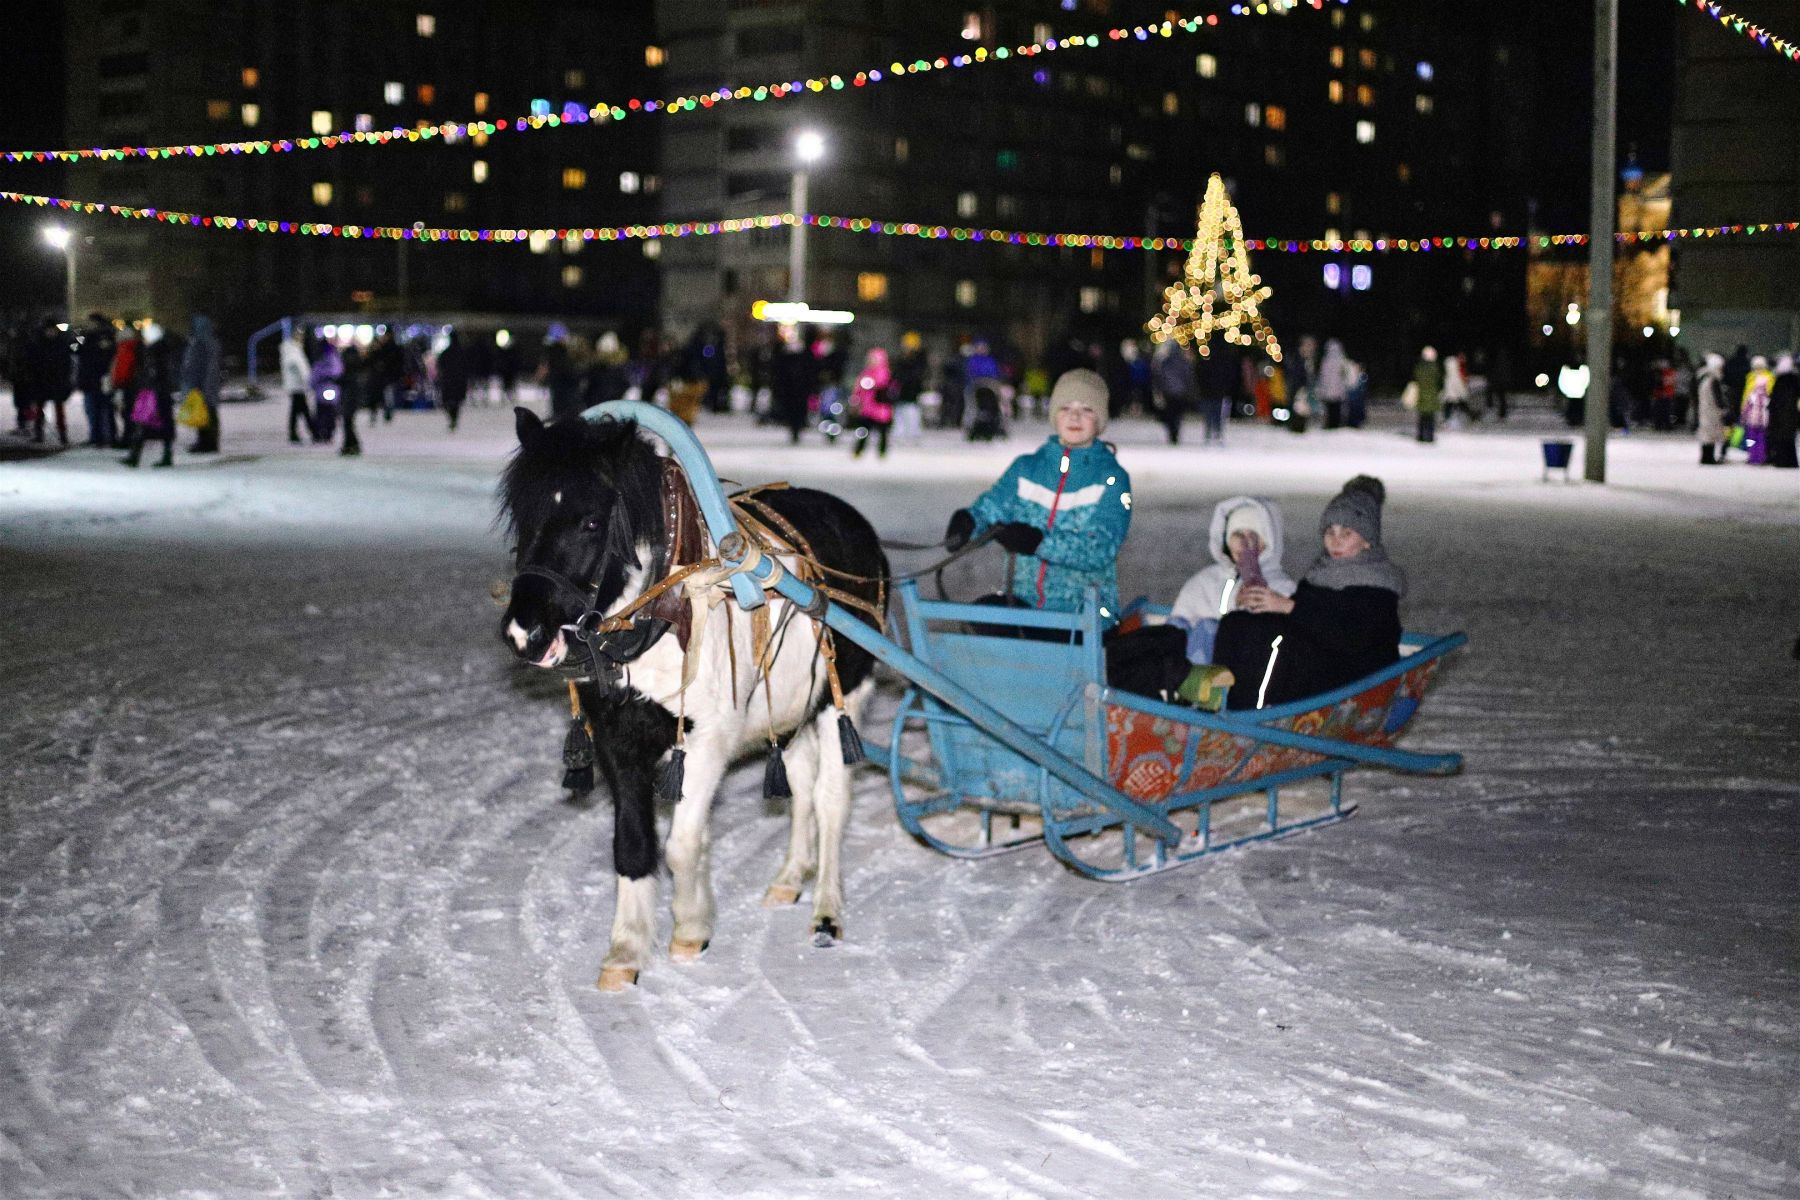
(296, 379)
(1710, 410)
(1244, 529)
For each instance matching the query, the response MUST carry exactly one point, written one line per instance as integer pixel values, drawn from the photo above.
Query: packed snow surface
(291, 903)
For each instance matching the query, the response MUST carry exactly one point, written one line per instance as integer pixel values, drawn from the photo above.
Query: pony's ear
(528, 424)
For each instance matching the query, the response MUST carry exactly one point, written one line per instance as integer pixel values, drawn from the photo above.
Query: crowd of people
(1744, 404)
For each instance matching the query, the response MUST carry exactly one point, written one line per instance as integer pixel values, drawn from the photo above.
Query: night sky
(31, 115)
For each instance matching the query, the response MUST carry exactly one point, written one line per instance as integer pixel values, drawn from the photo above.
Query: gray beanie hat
(1081, 386)
(1357, 507)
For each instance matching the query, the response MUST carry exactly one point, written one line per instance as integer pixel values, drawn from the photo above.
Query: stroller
(987, 423)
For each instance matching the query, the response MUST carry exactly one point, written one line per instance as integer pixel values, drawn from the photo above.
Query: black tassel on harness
(775, 780)
(850, 740)
(670, 777)
(578, 758)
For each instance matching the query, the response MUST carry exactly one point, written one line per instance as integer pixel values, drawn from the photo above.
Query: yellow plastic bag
(193, 410)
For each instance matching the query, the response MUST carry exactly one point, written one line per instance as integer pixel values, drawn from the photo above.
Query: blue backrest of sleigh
(1027, 679)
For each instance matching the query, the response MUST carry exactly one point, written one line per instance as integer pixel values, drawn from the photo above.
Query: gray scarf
(1371, 568)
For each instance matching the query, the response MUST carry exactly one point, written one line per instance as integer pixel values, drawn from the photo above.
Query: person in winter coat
(453, 376)
(1453, 399)
(296, 379)
(155, 374)
(607, 375)
(1737, 370)
(202, 370)
(327, 386)
(1064, 509)
(1428, 378)
(94, 353)
(1784, 413)
(1753, 412)
(1710, 408)
(1334, 383)
(872, 402)
(119, 376)
(47, 374)
(1342, 622)
(911, 372)
(1173, 382)
(792, 381)
(1244, 530)
(1220, 377)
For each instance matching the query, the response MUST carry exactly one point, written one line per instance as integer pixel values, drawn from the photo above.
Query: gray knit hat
(1081, 386)
(1357, 507)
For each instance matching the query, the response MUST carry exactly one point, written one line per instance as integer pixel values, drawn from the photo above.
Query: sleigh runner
(1002, 742)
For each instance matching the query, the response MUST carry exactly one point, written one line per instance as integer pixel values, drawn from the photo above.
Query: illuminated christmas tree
(1217, 293)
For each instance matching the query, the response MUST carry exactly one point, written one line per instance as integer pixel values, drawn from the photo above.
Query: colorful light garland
(421, 232)
(575, 114)
(1740, 25)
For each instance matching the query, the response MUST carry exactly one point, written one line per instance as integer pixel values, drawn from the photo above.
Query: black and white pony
(589, 505)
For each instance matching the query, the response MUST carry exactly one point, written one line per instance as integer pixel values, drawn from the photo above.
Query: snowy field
(291, 904)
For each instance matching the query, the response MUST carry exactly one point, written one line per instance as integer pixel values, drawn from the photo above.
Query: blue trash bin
(1556, 458)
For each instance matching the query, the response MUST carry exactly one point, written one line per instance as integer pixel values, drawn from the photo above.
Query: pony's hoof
(780, 895)
(684, 950)
(617, 979)
(827, 932)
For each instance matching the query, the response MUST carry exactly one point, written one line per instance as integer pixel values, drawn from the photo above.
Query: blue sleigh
(1002, 742)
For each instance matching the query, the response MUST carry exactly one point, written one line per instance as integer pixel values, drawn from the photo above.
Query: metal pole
(797, 243)
(1601, 220)
(69, 290)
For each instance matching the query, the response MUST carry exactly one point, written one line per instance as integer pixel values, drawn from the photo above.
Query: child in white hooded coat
(1255, 524)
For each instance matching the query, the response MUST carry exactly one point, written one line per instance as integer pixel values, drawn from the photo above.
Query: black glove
(960, 530)
(1018, 537)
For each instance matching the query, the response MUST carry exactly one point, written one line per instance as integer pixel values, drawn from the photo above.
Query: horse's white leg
(802, 762)
(634, 922)
(831, 805)
(689, 849)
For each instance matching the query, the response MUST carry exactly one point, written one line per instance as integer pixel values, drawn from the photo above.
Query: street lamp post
(62, 239)
(1601, 220)
(809, 148)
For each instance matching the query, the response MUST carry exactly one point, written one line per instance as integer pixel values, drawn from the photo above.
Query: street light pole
(1601, 220)
(809, 148)
(64, 239)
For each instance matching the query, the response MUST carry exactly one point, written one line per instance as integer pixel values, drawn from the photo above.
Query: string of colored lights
(1741, 25)
(572, 113)
(421, 232)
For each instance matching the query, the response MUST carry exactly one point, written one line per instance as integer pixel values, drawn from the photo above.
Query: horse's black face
(570, 521)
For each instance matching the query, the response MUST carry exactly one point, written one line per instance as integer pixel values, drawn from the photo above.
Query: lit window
(1272, 155)
(653, 183)
(1334, 234)
(1361, 277)
(1275, 117)
(871, 286)
(218, 110)
(574, 179)
(251, 114)
(1424, 104)
(965, 293)
(1424, 71)
(967, 204)
(1365, 132)
(902, 149)
(426, 24)
(1091, 299)
(1138, 152)
(574, 78)
(630, 182)
(455, 202)
(655, 56)
(1367, 22)
(251, 77)
(321, 193)
(1403, 173)
(971, 29)
(1366, 57)
(1040, 32)
(1206, 66)
(1337, 18)
(1096, 259)
(393, 91)
(1334, 273)
(1006, 160)
(1253, 114)
(364, 122)
(1365, 95)
(478, 170)
(1334, 203)
(540, 107)
(1006, 206)
(1171, 104)
(572, 242)
(1334, 91)
(426, 93)
(479, 138)
(1337, 56)
(321, 121)
(481, 103)
(1115, 175)
(539, 241)
(571, 276)
(652, 248)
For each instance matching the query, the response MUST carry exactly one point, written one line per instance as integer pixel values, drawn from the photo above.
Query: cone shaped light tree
(1216, 293)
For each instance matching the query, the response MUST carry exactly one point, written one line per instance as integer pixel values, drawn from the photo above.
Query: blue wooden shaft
(713, 506)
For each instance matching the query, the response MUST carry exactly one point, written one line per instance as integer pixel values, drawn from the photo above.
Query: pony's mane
(573, 453)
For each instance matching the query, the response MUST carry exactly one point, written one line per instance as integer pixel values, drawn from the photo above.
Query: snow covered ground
(291, 905)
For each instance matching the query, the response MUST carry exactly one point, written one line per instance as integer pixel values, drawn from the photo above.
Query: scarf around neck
(1371, 568)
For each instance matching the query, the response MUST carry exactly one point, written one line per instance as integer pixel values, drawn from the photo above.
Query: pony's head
(582, 502)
